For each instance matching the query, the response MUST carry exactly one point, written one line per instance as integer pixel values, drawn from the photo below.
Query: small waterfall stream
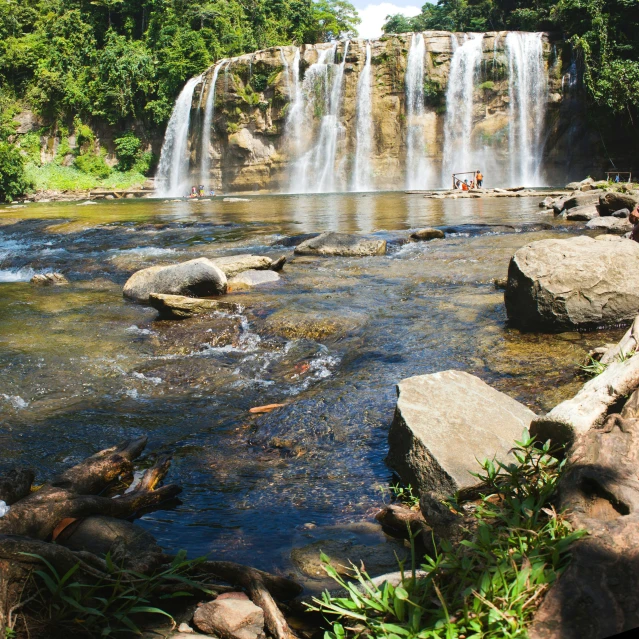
(173, 168)
(527, 91)
(417, 169)
(321, 92)
(209, 111)
(362, 173)
(458, 123)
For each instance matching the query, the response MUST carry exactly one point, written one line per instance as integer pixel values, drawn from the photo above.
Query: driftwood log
(38, 517)
(598, 594)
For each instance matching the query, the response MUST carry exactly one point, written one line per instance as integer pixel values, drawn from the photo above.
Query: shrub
(13, 182)
(127, 150)
(93, 165)
(84, 137)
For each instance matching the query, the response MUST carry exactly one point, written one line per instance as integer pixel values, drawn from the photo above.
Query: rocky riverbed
(326, 341)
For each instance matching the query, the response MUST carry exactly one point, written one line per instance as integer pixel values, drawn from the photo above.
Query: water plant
(487, 586)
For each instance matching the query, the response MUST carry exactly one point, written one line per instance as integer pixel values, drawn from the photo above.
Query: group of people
(465, 185)
(198, 191)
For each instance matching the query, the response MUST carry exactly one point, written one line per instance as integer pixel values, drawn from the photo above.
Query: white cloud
(374, 15)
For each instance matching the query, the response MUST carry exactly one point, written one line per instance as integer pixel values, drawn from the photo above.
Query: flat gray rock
(610, 224)
(577, 282)
(198, 278)
(444, 423)
(231, 265)
(341, 245)
(584, 212)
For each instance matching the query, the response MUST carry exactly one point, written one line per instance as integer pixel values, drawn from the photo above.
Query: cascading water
(209, 111)
(174, 161)
(527, 91)
(295, 114)
(315, 171)
(362, 173)
(458, 124)
(417, 169)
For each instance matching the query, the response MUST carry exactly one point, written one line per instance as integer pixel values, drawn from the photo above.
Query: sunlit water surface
(81, 368)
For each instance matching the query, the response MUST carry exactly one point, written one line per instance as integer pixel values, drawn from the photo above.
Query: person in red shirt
(634, 219)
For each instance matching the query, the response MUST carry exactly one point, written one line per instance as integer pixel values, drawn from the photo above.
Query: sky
(373, 14)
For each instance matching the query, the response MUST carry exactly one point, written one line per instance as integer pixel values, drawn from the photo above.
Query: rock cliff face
(289, 119)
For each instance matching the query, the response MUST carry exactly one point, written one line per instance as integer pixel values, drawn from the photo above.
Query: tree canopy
(604, 34)
(114, 60)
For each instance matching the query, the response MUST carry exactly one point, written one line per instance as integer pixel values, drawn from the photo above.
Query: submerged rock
(428, 234)
(341, 245)
(199, 277)
(610, 224)
(49, 279)
(180, 306)
(232, 265)
(578, 282)
(230, 618)
(295, 240)
(312, 326)
(251, 278)
(444, 423)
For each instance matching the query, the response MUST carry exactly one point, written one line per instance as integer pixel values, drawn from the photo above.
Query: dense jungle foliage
(114, 59)
(604, 33)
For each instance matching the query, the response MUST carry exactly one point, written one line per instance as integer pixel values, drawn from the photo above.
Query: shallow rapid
(81, 368)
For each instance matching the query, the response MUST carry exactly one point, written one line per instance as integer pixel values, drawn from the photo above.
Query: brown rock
(427, 234)
(180, 306)
(230, 619)
(49, 279)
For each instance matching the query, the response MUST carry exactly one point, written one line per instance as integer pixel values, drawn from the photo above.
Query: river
(82, 368)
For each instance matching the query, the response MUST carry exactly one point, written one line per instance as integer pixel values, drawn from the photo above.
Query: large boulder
(341, 244)
(581, 199)
(612, 201)
(577, 282)
(444, 423)
(198, 278)
(610, 224)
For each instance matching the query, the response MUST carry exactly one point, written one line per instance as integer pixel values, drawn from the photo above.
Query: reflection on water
(82, 368)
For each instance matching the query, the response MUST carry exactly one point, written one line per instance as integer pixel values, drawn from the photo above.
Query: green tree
(332, 19)
(13, 182)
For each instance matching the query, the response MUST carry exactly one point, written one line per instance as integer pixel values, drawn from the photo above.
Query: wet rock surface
(578, 282)
(427, 234)
(583, 212)
(444, 423)
(232, 265)
(299, 325)
(198, 277)
(342, 245)
(181, 307)
(49, 279)
(250, 278)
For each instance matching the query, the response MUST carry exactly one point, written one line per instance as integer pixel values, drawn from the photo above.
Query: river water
(82, 369)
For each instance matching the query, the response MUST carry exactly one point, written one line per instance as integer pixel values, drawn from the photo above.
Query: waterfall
(174, 160)
(417, 169)
(209, 111)
(458, 122)
(321, 92)
(362, 174)
(527, 91)
(295, 113)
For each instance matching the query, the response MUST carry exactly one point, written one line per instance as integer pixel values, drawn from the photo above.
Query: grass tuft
(486, 587)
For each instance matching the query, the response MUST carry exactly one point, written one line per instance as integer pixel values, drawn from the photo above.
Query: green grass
(55, 177)
(486, 587)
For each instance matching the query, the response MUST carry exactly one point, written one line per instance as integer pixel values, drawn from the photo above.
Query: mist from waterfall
(417, 168)
(209, 111)
(527, 92)
(362, 172)
(465, 68)
(173, 168)
(321, 91)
